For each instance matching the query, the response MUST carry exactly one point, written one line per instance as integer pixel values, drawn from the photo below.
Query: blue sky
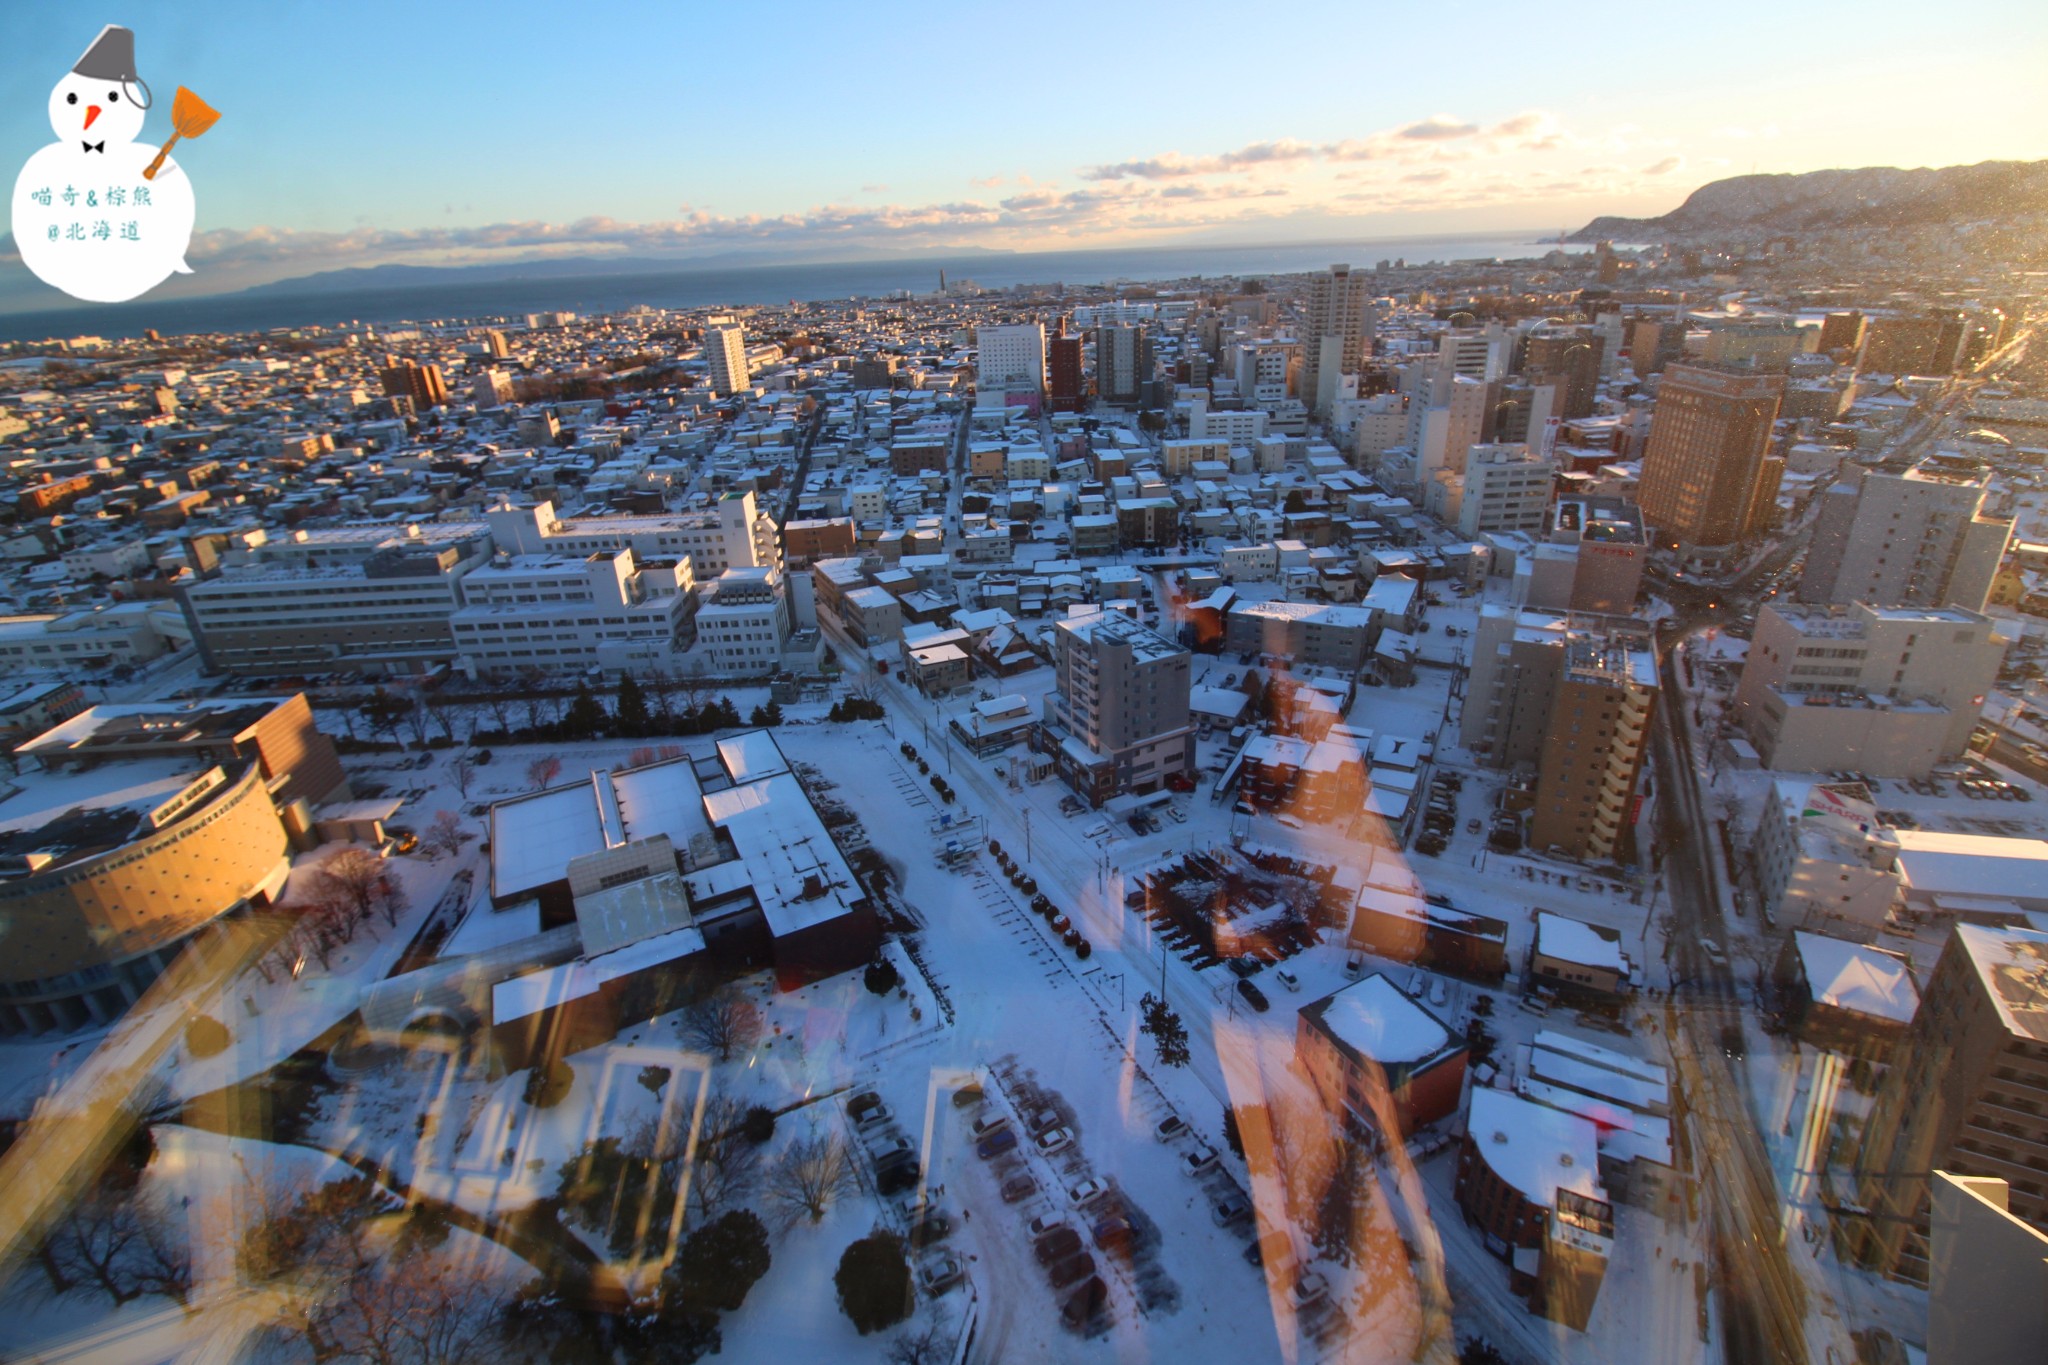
(445, 133)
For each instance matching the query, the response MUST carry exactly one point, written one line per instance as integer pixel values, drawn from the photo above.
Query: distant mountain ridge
(354, 278)
(1873, 197)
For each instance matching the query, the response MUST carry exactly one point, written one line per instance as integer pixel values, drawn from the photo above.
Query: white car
(1200, 1159)
(1088, 1191)
(1054, 1140)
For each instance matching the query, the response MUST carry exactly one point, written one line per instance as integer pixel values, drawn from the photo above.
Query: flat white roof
(534, 837)
(751, 756)
(794, 867)
(1571, 940)
(1534, 1148)
(1377, 1019)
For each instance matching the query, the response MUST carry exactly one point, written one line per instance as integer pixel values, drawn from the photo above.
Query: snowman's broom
(190, 116)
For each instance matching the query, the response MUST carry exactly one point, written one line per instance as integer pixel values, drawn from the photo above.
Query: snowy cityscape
(1460, 810)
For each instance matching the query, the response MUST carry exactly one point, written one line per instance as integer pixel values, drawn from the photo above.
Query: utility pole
(1027, 834)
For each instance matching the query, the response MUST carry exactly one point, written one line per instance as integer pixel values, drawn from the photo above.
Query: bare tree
(722, 1022)
(808, 1176)
(924, 1342)
(119, 1242)
(445, 711)
(352, 875)
(444, 835)
(392, 899)
(416, 721)
(500, 708)
(542, 770)
(462, 772)
(725, 1168)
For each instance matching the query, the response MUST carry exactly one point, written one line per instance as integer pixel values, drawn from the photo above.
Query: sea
(700, 287)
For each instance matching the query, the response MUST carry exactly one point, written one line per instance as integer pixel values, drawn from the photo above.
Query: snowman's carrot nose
(92, 111)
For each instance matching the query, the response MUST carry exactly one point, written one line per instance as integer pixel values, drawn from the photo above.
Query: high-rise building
(1591, 558)
(1066, 386)
(1569, 358)
(1571, 695)
(1123, 362)
(1654, 345)
(1967, 1092)
(493, 388)
(1907, 537)
(1118, 719)
(1506, 488)
(1842, 332)
(1593, 747)
(422, 384)
(1704, 469)
(725, 350)
(1889, 691)
(495, 346)
(1010, 358)
(1340, 310)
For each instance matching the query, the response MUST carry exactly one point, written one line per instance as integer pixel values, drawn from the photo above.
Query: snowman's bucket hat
(112, 58)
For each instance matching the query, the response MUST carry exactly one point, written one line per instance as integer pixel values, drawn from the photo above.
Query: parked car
(1230, 1209)
(1017, 1187)
(1200, 1159)
(942, 1272)
(1253, 996)
(1169, 1128)
(1044, 1225)
(1117, 1235)
(1087, 1191)
(1058, 1243)
(933, 1225)
(1084, 1303)
(1054, 1140)
(1042, 1121)
(1072, 1270)
(1354, 965)
(996, 1143)
(896, 1175)
(872, 1117)
(1287, 979)
(990, 1124)
(968, 1095)
(1309, 1288)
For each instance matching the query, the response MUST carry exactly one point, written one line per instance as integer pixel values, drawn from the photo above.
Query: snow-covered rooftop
(1855, 977)
(1377, 1019)
(1571, 940)
(1935, 864)
(791, 861)
(1534, 1148)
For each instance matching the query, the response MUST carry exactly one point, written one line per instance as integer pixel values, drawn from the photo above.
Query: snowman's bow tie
(99, 146)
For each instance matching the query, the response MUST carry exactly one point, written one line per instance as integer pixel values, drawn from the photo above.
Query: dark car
(1253, 996)
(934, 1226)
(1072, 1270)
(1018, 1186)
(1115, 1235)
(895, 1174)
(1084, 1303)
(1057, 1245)
(1732, 1042)
(861, 1103)
(996, 1143)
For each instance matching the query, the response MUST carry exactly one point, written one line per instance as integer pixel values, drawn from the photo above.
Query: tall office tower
(725, 349)
(1067, 389)
(1482, 355)
(1593, 747)
(1912, 345)
(1573, 696)
(420, 383)
(1453, 421)
(1010, 358)
(1336, 334)
(494, 345)
(1123, 362)
(1569, 358)
(1967, 1093)
(1842, 332)
(1653, 345)
(1122, 699)
(1907, 537)
(493, 388)
(1704, 470)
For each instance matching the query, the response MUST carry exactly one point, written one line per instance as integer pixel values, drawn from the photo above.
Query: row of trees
(645, 706)
(351, 888)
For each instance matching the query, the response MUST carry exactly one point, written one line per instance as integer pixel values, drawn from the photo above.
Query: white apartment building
(1506, 488)
(1237, 428)
(725, 351)
(606, 610)
(1337, 334)
(1913, 537)
(744, 627)
(1887, 691)
(1010, 359)
(733, 534)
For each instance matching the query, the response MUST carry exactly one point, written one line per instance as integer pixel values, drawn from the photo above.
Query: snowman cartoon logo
(98, 214)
